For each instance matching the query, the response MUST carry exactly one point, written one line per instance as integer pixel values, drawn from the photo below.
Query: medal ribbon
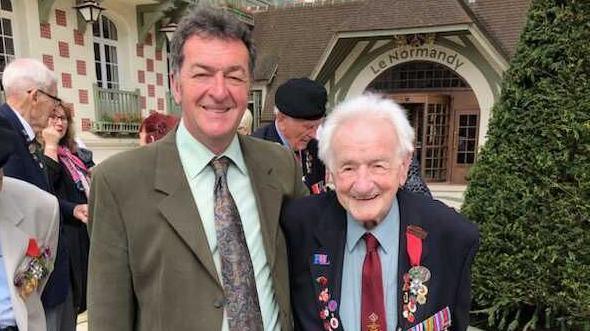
(414, 247)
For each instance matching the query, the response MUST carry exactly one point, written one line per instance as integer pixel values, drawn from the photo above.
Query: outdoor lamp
(90, 10)
(169, 29)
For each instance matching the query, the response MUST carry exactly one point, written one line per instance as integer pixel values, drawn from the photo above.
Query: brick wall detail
(45, 30)
(149, 64)
(139, 50)
(151, 90)
(160, 104)
(66, 80)
(78, 38)
(83, 96)
(48, 61)
(81, 67)
(141, 76)
(60, 17)
(158, 55)
(159, 79)
(64, 49)
(86, 124)
(148, 39)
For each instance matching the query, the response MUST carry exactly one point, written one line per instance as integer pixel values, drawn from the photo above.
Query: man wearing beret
(300, 106)
(29, 223)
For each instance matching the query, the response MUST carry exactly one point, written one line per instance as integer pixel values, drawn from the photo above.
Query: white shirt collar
(28, 128)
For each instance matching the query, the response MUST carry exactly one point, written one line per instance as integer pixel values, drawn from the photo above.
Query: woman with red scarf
(67, 168)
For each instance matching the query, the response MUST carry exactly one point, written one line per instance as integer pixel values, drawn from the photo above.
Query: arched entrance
(443, 110)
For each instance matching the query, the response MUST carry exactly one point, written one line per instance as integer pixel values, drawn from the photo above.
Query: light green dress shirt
(195, 158)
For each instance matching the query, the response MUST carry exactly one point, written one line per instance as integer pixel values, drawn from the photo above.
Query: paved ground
(452, 195)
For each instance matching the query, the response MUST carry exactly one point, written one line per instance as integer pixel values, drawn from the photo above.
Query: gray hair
(207, 22)
(25, 74)
(361, 107)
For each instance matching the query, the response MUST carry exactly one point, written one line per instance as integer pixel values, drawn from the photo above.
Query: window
(255, 106)
(7, 53)
(105, 53)
(467, 139)
(417, 75)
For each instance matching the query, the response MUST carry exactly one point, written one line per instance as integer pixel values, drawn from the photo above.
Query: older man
(300, 106)
(370, 256)
(31, 97)
(29, 223)
(185, 231)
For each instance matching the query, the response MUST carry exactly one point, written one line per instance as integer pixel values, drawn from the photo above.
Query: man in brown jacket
(168, 226)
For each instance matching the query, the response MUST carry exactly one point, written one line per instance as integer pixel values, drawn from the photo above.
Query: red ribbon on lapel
(33, 249)
(414, 248)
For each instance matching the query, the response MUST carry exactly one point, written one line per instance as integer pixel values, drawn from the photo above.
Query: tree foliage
(530, 189)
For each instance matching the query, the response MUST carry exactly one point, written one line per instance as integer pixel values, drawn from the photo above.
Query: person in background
(184, 232)
(300, 106)
(245, 126)
(155, 126)
(69, 174)
(29, 225)
(31, 96)
(371, 255)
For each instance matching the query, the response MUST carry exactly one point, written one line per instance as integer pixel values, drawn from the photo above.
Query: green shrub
(530, 189)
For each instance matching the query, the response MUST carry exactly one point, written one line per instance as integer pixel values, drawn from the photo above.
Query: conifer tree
(530, 188)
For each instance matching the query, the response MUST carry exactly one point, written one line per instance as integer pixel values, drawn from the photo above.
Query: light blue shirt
(195, 158)
(387, 233)
(6, 313)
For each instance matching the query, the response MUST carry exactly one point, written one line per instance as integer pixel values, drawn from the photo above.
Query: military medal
(414, 289)
(328, 305)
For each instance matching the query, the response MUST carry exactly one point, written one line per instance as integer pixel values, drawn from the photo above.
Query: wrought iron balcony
(117, 111)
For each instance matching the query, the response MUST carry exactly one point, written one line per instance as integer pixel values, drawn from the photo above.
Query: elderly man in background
(29, 224)
(31, 97)
(372, 256)
(300, 106)
(185, 231)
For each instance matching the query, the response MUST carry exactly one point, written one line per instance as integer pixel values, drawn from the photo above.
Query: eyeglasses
(56, 101)
(61, 118)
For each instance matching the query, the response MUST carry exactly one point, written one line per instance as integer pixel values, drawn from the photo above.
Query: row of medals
(414, 290)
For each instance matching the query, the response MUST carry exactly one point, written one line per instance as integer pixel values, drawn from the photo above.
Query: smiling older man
(372, 256)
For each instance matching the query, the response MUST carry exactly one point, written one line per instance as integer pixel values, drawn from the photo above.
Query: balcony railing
(172, 106)
(117, 111)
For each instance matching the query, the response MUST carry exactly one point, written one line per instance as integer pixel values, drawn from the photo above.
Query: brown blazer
(150, 263)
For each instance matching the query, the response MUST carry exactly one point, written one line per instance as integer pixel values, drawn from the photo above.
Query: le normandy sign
(410, 53)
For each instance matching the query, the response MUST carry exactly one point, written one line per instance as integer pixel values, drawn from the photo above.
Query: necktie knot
(220, 166)
(371, 242)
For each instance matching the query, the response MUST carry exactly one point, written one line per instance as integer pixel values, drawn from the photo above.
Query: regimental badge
(373, 325)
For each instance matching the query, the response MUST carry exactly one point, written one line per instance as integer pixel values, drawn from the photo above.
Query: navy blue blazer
(22, 165)
(316, 225)
(314, 171)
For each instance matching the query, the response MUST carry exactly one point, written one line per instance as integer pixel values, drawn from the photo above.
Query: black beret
(302, 98)
(8, 140)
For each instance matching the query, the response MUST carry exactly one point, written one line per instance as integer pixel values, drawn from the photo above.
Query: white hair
(366, 106)
(25, 74)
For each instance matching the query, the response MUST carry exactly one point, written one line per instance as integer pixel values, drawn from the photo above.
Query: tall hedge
(530, 188)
